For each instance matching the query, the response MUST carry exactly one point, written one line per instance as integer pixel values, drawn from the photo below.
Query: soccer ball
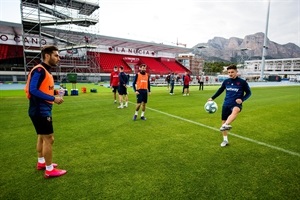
(211, 107)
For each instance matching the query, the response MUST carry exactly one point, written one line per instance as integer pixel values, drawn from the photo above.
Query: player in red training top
(186, 84)
(114, 82)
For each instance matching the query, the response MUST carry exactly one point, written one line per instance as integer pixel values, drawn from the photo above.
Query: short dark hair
(143, 65)
(231, 67)
(121, 67)
(48, 50)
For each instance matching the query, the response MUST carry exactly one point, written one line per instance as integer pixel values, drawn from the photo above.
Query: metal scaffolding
(71, 25)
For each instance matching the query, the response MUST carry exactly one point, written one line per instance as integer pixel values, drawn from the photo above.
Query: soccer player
(201, 81)
(122, 88)
(168, 80)
(186, 84)
(114, 82)
(40, 92)
(141, 87)
(237, 91)
(172, 83)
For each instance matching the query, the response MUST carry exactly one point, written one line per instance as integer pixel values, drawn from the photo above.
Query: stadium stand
(10, 51)
(3, 52)
(155, 67)
(11, 58)
(108, 61)
(173, 65)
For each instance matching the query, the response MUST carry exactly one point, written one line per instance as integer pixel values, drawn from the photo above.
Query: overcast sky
(189, 21)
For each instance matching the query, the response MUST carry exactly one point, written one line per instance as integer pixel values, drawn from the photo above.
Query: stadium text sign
(131, 51)
(15, 39)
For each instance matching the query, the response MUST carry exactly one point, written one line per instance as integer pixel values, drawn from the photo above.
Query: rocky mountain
(250, 48)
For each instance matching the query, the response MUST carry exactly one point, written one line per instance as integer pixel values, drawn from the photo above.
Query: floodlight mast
(201, 47)
(265, 45)
(199, 65)
(243, 50)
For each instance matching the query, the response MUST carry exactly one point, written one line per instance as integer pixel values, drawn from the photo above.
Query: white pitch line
(241, 137)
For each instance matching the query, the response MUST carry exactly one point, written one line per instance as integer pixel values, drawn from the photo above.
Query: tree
(211, 68)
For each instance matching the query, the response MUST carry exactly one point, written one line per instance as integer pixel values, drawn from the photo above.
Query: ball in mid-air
(211, 107)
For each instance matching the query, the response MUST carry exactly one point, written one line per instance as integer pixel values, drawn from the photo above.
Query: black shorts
(114, 89)
(122, 90)
(227, 110)
(42, 125)
(142, 96)
(186, 86)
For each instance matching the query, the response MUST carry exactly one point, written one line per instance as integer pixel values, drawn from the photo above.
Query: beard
(53, 63)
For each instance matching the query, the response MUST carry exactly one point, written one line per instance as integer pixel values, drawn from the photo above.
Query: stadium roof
(84, 7)
(73, 38)
(135, 44)
(96, 40)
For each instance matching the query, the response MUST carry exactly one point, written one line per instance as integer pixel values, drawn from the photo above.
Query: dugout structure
(52, 22)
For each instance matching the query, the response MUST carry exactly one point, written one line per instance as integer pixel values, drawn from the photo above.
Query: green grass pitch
(175, 154)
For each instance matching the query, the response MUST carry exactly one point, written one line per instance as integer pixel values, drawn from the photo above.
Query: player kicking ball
(237, 91)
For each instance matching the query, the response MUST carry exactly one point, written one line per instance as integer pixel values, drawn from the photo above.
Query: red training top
(187, 80)
(114, 78)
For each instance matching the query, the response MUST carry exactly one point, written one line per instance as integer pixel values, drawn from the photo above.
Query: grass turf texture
(175, 154)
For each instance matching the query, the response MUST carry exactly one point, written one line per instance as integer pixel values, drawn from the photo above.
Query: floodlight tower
(244, 55)
(265, 47)
(200, 60)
